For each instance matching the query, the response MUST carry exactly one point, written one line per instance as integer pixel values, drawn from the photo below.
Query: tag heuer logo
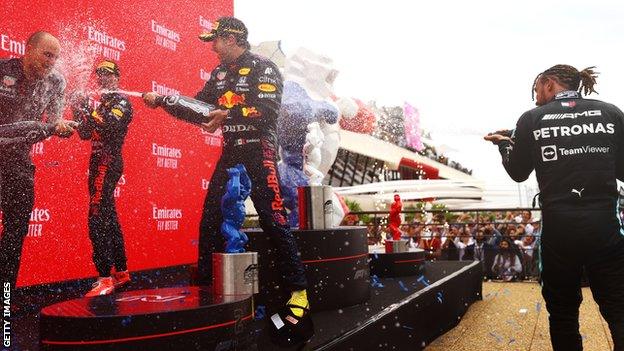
(549, 153)
(8, 81)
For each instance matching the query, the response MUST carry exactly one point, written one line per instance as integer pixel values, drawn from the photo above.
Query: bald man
(29, 89)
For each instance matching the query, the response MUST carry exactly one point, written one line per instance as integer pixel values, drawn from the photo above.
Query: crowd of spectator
(505, 242)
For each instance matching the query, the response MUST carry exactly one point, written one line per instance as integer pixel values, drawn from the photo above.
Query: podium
(336, 263)
(182, 318)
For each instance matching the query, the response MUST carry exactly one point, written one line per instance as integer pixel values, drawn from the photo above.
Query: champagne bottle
(186, 108)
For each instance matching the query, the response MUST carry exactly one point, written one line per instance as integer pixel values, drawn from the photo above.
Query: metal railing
(423, 227)
(430, 230)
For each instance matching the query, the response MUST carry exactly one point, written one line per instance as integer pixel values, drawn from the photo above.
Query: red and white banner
(167, 163)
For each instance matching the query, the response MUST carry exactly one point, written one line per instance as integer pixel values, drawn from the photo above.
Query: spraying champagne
(188, 109)
(181, 107)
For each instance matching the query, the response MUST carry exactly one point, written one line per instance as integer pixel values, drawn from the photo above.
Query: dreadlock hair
(570, 78)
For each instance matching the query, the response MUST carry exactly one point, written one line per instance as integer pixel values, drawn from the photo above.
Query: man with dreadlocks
(576, 147)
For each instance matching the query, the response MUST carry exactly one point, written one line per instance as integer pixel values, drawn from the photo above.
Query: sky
(468, 66)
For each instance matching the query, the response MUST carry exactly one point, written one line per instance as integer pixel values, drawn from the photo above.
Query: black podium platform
(399, 264)
(336, 262)
(405, 313)
(161, 319)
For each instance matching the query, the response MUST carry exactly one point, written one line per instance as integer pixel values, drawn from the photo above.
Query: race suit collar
(239, 59)
(568, 94)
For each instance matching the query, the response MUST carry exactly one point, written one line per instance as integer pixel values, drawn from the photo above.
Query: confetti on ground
(523, 310)
(375, 282)
(497, 324)
(498, 338)
(423, 280)
(260, 312)
(403, 287)
(126, 321)
(439, 297)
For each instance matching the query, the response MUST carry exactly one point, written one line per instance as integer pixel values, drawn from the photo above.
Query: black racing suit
(21, 101)
(576, 147)
(251, 89)
(106, 127)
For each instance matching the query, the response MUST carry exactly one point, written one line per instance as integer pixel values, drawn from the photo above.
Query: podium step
(336, 262)
(399, 264)
(180, 318)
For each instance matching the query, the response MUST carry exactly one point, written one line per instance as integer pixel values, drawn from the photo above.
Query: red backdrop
(157, 47)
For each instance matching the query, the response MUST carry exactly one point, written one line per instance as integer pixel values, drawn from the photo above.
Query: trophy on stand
(235, 272)
(394, 222)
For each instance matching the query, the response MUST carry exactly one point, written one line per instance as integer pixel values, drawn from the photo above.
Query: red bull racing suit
(106, 127)
(576, 147)
(251, 89)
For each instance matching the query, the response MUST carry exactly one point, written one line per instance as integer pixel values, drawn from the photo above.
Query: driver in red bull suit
(106, 127)
(249, 88)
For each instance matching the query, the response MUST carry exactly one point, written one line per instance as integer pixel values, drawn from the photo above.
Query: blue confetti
(506, 292)
(376, 256)
(375, 282)
(403, 287)
(194, 242)
(406, 327)
(439, 297)
(260, 312)
(538, 306)
(423, 280)
(126, 321)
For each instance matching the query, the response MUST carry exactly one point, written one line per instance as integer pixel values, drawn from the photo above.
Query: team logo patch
(549, 153)
(8, 81)
(244, 71)
(268, 88)
(221, 75)
(117, 112)
(96, 117)
(231, 99)
(250, 112)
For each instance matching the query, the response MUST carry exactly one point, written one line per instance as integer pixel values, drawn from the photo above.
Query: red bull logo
(273, 184)
(231, 99)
